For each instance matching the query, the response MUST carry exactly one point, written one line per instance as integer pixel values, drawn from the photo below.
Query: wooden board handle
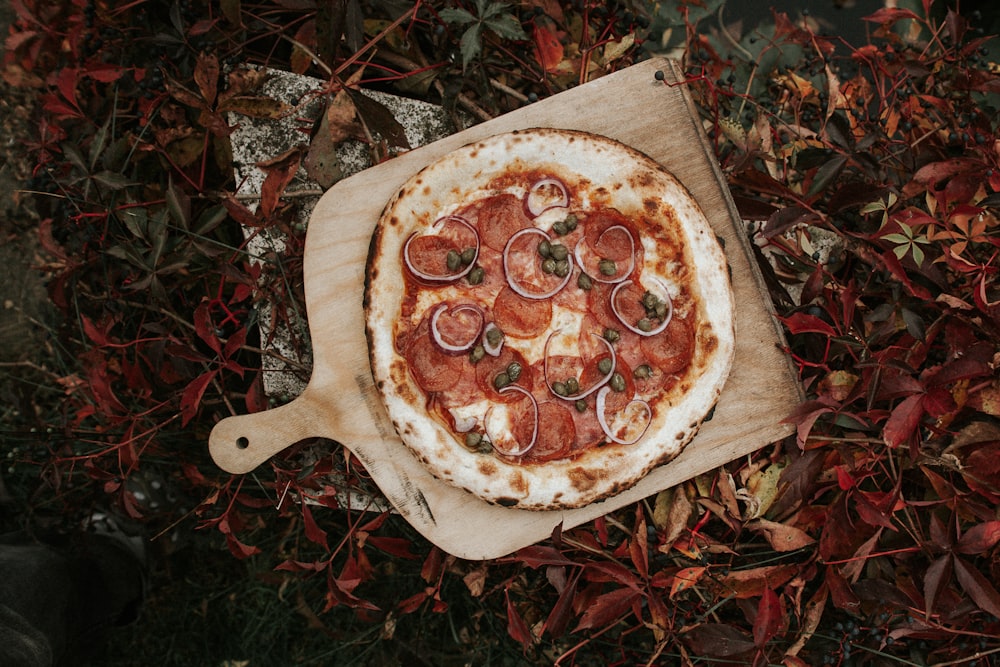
(241, 443)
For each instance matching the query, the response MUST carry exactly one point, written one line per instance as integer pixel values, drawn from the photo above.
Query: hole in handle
(242, 442)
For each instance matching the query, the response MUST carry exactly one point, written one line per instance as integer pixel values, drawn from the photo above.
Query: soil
(23, 300)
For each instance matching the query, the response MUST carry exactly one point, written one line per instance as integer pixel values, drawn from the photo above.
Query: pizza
(549, 317)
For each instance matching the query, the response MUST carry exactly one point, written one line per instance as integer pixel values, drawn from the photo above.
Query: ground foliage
(869, 172)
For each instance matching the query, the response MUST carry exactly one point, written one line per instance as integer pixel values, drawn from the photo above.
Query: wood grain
(657, 118)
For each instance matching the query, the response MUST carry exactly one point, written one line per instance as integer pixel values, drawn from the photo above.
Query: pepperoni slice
(488, 368)
(616, 400)
(429, 253)
(628, 302)
(519, 317)
(670, 350)
(614, 244)
(556, 432)
(499, 218)
(432, 369)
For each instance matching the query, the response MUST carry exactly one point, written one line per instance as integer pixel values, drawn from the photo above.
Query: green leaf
(506, 26)
(897, 238)
(918, 255)
(470, 44)
(456, 15)
(900, 251)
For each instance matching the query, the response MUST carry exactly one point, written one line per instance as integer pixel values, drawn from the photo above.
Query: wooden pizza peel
(340, 401)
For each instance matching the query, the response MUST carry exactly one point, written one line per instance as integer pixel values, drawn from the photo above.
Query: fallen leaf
(781, 537)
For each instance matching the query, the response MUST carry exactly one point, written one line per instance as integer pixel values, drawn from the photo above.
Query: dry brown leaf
(780, 536)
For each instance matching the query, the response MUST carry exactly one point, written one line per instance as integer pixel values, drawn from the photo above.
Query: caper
(559, 252)
(501, 381)
(649, 301)
(477, 353)
(605, 365)
(473, 440)
(611, 335)
(494, 336)
(642, 372)
(559, 388)
(453, 260)
(607, 267)
(584, 282)
(476, 275)
(581, 405)
(570, 221)
(467, 256)
(513, 371)
(549, 266)
(562, 268)
(559, 229)
(617, 382)
(545, 248)
(644, 324)
(661, 311)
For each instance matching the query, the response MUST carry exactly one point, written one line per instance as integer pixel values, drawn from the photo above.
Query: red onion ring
(603, 421)
(596, 275)
(439, 339)
(463, 424)
(631, 327)
(534, 431)
(449, 277)
(492, 350)
(538, 200)
(518, 288)
(594, 387)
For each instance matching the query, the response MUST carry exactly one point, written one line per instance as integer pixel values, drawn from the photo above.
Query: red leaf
(256, 398)
(718, 640)
(639, 546)
(537, 555)
(613, 572)
(516, 627)
(204, 327)
(770, 617)
(67, 81)
(607, 608)
(279, 173)
(396, 546)
(979, 539)
(804, 417)
(191, 398)
(412, 603)
(891, 15)
(238, 548)
(315, 534)
(799, 322)
(686, 578)
(558, 618)
(904, 420)
(93, 333)
(206, 75)
(937, 576)
(433, 566)
(978, 587)
(548, 49)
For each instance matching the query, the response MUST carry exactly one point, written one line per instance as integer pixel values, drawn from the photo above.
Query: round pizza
(549, 317)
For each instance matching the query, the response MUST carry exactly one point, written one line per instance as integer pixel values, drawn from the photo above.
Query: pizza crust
(610, 173)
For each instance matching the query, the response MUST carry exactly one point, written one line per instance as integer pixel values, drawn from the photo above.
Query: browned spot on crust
(650, 205)
(507, 502)
(486, 467)
(519, 483)
(427, 190)
(393, 221)
(582, 479)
